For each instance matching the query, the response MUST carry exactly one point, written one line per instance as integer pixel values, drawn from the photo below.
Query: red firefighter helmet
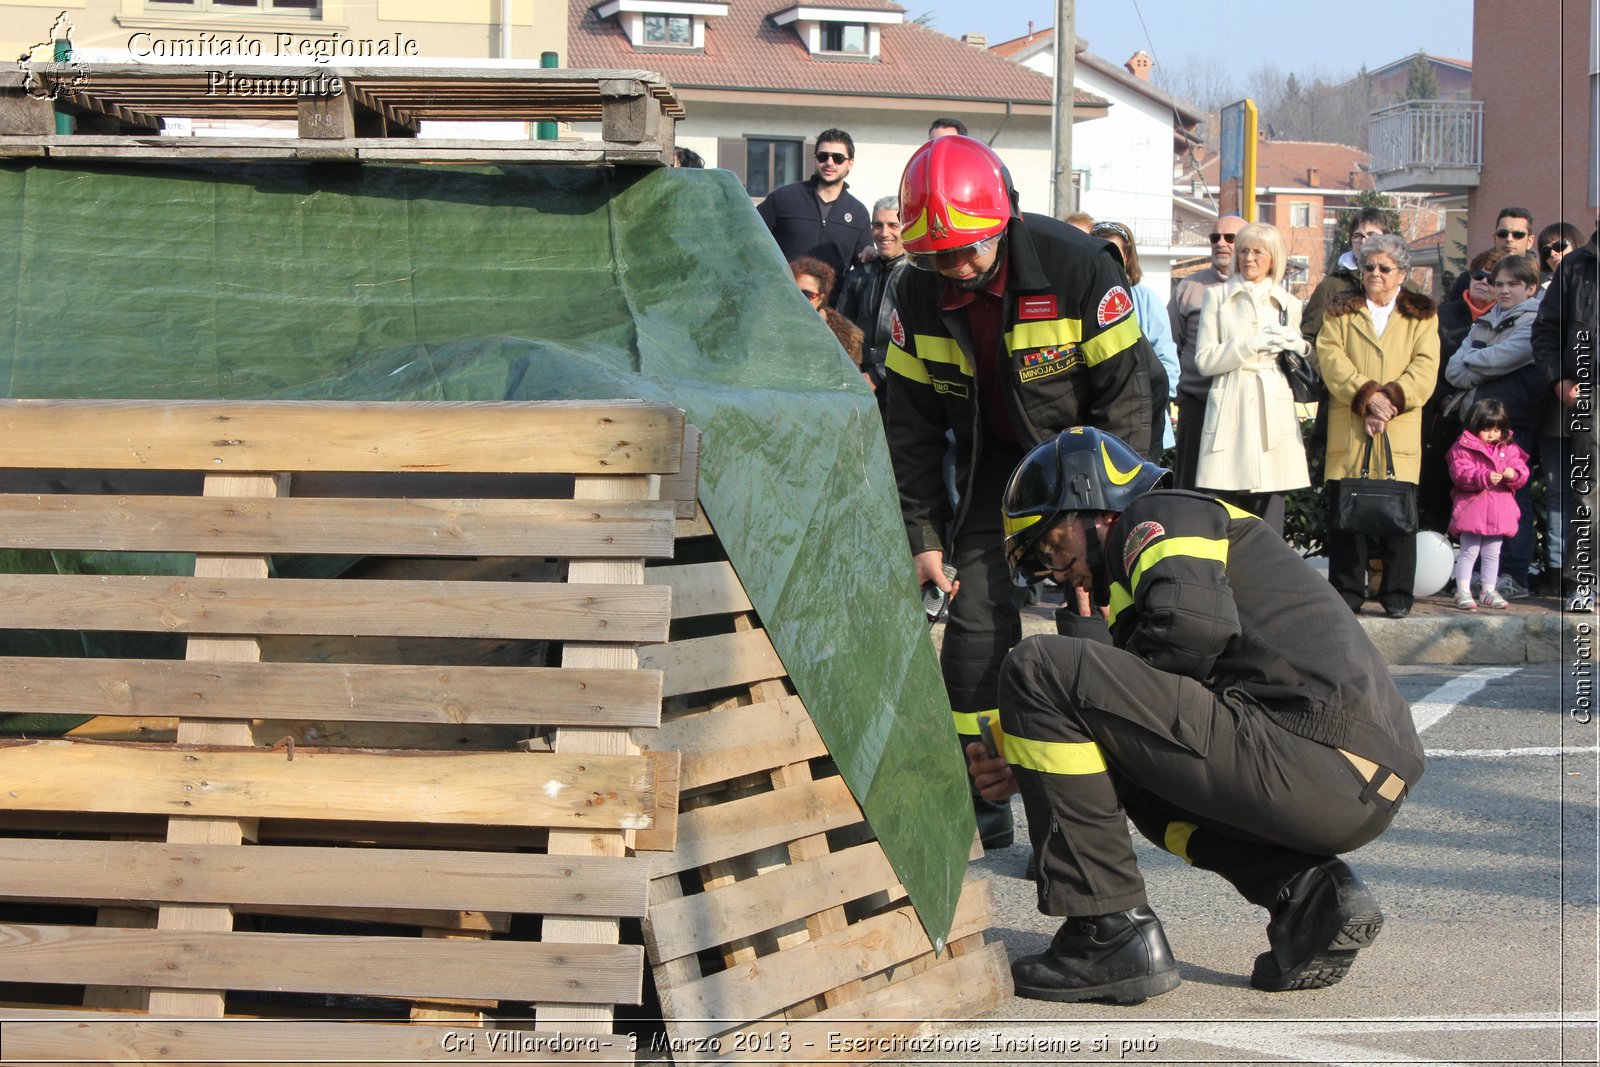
(955, 193)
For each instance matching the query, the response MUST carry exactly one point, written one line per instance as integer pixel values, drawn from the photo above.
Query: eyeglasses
(952, 257)
(811, 295)
(1555, 246)
(839, 158)
(1480, 276)
(1228, 237)
(1253, 252)
(1379, 268)
(1513, 234)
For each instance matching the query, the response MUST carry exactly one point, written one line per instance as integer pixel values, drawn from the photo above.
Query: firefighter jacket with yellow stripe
(1070, 355)
(1203, 589)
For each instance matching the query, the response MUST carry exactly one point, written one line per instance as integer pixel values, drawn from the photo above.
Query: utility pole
(1066, 41)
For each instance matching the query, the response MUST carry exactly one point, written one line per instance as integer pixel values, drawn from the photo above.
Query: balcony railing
(1429, 135)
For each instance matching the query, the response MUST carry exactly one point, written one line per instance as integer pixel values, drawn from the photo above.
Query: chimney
(1139, 65)
(1311, 177)
(976, 40)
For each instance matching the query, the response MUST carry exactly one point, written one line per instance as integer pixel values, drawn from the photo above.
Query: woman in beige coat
(1379, 355)
(1251, 452)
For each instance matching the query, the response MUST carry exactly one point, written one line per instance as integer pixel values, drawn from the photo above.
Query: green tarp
(527, 283)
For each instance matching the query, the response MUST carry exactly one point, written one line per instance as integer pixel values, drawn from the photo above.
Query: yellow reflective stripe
(1055, 757)
(1176, 840)
(962, 221)
(1043, 333)
(1121, 600)
(906, 365)
(967, 721)
(1193, 547)
(1237, 513)
(917, 228)
(1017, 525)
(943, 350)
(1102, 346)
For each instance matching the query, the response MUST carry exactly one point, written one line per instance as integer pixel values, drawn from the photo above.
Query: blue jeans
(1555, 455)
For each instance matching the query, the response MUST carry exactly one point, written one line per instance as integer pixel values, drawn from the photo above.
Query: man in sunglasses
(1234, 710)
(1183, 309)
(818, 217)
(1513, 236)
(1008, 328)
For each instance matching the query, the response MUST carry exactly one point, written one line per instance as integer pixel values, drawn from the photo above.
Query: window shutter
(731, 156)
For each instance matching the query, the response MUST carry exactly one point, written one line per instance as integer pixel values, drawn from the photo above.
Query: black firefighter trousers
(1095, 733)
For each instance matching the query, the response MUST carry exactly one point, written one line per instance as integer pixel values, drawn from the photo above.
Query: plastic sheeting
(532, 283)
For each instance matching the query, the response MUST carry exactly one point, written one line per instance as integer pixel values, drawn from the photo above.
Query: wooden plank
(323, 963)
(746, 908)
(42, 1035)
(701, 589)
(700, 664)
(511, 789)
(153, 872)
(22, 115)
(352, 692)
(766, 987)
(683, 488)
(371, 527)
(323, 116)
(628, 112)
(160, 604)
(199, 827)
(952, 989)
(580, 1013)
(609, 437)
(719, 746)
(738, 827)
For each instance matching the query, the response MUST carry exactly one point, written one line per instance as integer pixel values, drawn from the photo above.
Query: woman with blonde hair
(1251, 452)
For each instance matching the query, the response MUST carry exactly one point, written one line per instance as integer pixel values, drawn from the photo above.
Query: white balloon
(1436, 562)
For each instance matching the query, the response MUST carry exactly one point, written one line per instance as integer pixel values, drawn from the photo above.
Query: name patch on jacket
(1043, 362)
(1037, 307)
(1113, 306)
(1139, 538)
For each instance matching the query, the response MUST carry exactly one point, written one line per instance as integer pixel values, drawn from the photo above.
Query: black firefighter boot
(1321, 918)
(1122, 957)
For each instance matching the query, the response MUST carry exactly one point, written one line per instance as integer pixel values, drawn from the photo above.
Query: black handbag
(1304, 381)
(1377, 507)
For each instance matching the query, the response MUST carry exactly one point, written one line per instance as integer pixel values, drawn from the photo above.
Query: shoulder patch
(1113, 306)
(897, 331)
(1139, 538)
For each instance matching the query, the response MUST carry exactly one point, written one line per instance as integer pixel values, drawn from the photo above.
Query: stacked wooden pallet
(340, 112)
(404, 794)
(777, 929)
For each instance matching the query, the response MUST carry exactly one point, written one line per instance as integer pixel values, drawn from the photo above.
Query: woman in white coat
(1251, 452)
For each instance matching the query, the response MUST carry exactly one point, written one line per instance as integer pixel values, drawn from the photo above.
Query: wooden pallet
(778, 919)
(352, 787)
(341, 112)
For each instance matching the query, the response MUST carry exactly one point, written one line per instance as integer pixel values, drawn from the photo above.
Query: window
(770, 163)
(309, 8)
(1299, 215)
(668, 29)
(847, 37)
(1297, 270)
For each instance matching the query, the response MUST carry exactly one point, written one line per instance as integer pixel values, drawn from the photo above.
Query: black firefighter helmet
(1080, 469)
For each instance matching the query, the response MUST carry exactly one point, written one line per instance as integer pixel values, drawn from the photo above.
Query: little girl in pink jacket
(1486, 468)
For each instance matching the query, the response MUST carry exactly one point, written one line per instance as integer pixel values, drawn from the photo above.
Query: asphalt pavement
(1487, 878)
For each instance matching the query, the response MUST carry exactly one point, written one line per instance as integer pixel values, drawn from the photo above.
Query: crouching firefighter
(1234, 711)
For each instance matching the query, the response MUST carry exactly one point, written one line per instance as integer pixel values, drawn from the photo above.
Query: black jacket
(794, 215)
(1566, 314)
(1205, 590)
(1071, 354)
(867, 299)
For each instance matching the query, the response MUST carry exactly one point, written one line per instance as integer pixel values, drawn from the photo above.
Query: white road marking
(1510, 753)
(1445, 699)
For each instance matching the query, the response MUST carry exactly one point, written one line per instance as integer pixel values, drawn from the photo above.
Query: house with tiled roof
(1304, 189)
(759, 79)
(1124, 164)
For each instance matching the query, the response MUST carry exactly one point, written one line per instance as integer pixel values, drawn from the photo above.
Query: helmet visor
(952, 257)
(1022, 539)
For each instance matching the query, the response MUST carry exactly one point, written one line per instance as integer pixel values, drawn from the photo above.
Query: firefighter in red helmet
(1015, 327)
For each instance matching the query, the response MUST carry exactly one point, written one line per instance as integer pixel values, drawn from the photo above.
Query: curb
(1449, 640)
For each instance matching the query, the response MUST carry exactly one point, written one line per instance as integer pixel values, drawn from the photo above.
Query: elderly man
(1184, 311)
(867, 296)
(818, 217)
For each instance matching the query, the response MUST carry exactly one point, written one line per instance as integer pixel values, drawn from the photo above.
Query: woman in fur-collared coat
(1379, 356)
